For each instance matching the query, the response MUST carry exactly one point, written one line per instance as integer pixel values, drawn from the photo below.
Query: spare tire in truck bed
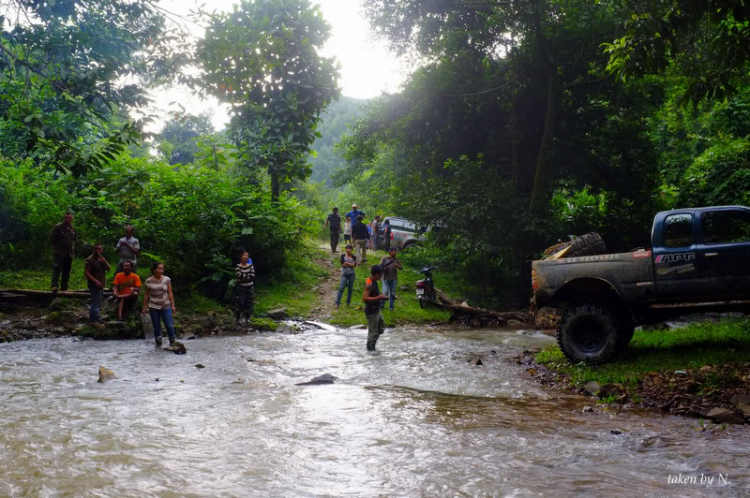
(589, 244)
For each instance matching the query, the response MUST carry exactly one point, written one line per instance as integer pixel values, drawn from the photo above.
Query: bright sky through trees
(367, 68)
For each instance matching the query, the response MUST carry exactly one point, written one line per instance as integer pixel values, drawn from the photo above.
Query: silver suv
(405, 233)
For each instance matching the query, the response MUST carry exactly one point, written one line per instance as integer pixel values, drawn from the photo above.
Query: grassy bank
(692, 347)
(701, 371)
(407, 308)
(294, 288)
(290, 288)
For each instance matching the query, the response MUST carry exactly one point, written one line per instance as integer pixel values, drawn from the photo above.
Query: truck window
(678, 230)
(726, 227)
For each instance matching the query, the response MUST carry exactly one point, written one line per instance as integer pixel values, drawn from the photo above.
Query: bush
(194, 219)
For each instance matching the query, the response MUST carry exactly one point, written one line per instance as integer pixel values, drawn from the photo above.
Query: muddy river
(415, 419)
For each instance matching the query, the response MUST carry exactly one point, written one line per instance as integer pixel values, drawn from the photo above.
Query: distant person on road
(372, 299)
(95, 270)
(355, 213)
(387, 234)
(374, 233)
(391, 266)
(360, 236)
(63, 238)
(334, 222)
(128, 248)
(126, 287)
(348, 264)
(159, 303)
(347, 230)
(244, 289)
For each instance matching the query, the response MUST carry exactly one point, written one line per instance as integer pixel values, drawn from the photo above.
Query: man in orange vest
(372, 299)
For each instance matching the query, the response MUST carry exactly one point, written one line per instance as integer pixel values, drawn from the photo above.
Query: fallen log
(25, 298)
(79, 294)
(477, 316)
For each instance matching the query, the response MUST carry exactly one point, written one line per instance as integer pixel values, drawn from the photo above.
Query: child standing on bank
(244, 289)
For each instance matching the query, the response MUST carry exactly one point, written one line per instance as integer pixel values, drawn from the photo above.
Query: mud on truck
(699, 261)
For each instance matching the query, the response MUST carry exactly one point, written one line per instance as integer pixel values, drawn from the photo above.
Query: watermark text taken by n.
(706, 480)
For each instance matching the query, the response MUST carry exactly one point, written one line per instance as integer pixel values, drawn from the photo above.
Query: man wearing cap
(354, 214)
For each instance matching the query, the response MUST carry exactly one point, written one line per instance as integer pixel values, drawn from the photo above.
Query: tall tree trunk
(543, 171)
(274, 186)
(515, 165)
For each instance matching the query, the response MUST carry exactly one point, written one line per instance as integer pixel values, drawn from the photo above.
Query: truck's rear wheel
(588, 333)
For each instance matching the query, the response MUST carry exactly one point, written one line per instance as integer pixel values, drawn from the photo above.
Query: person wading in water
(372, 299)
(159, 302)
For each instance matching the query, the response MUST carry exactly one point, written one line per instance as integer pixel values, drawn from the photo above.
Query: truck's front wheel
(588, 333)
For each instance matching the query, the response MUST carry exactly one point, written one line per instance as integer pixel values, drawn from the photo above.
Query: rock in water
(106, 374)
(317, 381)
(278, 314)
(725, 416)
(592, 388)
(176, 348)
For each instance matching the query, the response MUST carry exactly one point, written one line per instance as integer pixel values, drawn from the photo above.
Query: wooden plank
(75, 294)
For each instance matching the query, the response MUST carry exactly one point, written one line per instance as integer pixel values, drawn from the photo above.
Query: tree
(551, 43)
(262, 59)
(333, 124)
(461, 143)
(180, 137)
(68, 67)
(706, 41)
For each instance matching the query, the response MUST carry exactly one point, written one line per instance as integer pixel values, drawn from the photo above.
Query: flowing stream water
(415, 419)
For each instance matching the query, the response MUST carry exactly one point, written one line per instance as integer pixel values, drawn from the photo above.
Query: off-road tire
(589, 244)
(421, 301)
(589, 333)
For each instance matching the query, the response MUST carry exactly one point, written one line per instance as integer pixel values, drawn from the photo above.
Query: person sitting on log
(126, 287)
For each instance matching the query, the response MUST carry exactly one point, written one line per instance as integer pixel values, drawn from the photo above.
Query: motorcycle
(425, 287)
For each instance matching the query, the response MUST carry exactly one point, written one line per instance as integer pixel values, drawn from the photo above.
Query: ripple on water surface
(415, 419)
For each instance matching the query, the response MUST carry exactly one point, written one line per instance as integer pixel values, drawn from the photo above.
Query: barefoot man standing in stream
(372, 298)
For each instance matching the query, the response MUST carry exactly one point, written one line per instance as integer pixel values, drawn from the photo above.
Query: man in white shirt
(128, 247)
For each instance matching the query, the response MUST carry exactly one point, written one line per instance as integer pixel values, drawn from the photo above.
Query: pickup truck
(699, 260)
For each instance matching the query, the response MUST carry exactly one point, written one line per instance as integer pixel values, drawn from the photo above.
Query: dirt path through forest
(327, 287)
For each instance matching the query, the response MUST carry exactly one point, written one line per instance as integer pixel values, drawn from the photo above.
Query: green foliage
(263, 60)
(334, 122)
(704, 41)
(194, 219)
(70, 70)
(720, 175)
(179, 138)
(446, 151)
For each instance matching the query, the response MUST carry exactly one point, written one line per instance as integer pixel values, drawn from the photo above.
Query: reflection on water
(415, 419)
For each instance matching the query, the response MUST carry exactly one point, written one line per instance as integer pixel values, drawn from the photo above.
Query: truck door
(676, 261)
(725, 247)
